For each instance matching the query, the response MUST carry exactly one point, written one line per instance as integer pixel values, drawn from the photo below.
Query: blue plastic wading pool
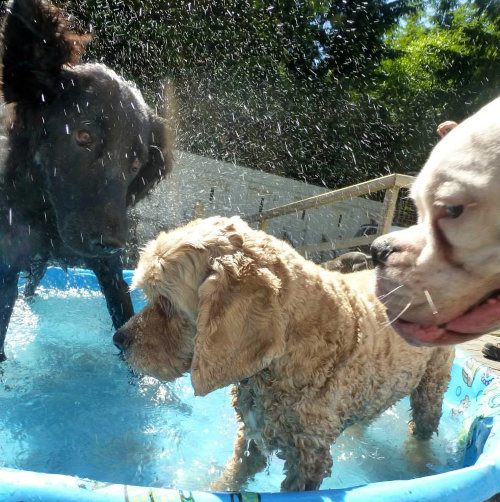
(472, 401)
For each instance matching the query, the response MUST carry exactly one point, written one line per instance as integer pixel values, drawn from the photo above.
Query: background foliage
(331, 92)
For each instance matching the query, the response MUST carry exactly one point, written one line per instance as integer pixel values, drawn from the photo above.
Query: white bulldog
(440, 279)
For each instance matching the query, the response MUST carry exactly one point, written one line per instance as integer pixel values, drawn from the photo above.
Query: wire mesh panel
(405, 214)
(320, 233)
(303, 214)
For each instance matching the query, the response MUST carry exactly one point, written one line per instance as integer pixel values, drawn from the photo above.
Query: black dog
(81, 146)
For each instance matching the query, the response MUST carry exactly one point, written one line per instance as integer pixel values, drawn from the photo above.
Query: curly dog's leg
(306, 465)
(246, 461)
(427, 399)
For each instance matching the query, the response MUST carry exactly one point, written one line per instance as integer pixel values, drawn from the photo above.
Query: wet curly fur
(308, 351)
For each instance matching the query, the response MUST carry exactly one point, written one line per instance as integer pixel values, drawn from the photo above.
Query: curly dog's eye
(454, 211)
(83, 137)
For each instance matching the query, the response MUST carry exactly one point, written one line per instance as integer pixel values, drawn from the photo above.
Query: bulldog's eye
(454, 211)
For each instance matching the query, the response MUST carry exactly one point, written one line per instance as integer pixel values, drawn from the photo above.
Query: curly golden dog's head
(212, 308)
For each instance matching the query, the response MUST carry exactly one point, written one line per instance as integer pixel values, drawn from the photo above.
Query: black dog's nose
(380, 250)
(121, 339)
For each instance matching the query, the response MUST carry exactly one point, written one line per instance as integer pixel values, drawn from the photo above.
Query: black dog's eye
(83, 137)
(454, 211)
(136, 165)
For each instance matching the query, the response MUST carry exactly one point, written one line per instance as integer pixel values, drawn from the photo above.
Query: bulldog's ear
(36, 45)
(240, 327)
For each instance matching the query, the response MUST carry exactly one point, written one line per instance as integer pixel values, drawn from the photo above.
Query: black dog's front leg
(109, 273)
(37, 271)
(8, 295)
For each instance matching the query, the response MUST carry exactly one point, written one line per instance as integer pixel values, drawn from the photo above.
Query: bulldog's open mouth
(478, 320)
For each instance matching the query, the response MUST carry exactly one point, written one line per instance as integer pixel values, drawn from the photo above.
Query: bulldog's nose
(381, 249)
(122, 339)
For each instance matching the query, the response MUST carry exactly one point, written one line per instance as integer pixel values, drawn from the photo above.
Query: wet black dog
(81, 146)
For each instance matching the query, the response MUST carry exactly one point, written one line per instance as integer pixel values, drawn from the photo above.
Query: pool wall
(473, 396)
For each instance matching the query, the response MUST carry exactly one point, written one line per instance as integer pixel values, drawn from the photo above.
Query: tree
(276, 87)
(447, 65)
(331, 92)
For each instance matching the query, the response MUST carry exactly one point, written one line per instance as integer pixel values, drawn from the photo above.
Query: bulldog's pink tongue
(425, 334)
(481, 319)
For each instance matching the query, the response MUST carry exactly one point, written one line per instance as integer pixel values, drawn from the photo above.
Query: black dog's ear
(159, 164)
(36, 44)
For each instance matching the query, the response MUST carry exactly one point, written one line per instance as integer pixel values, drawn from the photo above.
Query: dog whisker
(390, 321)
(381, 274)
(381, 297)
(430, 301)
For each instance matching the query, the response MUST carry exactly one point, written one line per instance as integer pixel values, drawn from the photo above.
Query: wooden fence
(391, 184)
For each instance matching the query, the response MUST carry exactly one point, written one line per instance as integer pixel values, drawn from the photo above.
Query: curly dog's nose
(121, 339)
(381, 249)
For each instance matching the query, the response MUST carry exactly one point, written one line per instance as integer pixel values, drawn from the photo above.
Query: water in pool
(70, 406)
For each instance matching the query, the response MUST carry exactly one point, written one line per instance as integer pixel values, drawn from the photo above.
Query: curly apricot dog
(308, 350)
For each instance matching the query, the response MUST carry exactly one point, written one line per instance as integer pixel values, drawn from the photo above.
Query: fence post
(388, 208)
(198, 210)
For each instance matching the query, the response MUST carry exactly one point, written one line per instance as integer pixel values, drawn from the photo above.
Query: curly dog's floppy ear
(240, 323)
